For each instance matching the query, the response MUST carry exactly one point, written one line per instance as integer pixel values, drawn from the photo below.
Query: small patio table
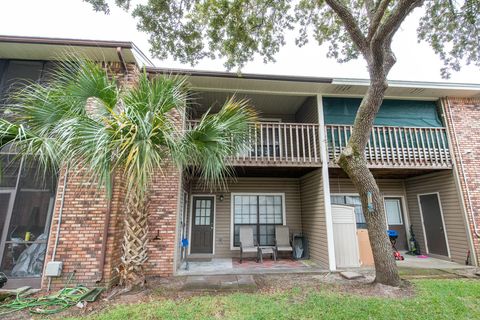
(268, 250)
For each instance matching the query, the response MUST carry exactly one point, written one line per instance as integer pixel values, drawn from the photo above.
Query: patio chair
(246, 242)
(282, 239)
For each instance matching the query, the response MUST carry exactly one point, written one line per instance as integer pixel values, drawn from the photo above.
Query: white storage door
(345, 236)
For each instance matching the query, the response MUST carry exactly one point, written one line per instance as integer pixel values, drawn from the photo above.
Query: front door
(202, 225)
(433, 224)
(393, 210)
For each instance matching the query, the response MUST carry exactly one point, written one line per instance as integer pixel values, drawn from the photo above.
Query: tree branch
(377, 18)
(350, 24)
(381, 40)
(401, 11)
(370, 7)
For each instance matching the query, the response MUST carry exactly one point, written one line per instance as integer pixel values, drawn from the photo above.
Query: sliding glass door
(26, 203)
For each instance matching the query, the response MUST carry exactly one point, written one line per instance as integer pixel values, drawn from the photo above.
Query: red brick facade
(81, 231)
(164, 198)
(462, 116)
(85, 213)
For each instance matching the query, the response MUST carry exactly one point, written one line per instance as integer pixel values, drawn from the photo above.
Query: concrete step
(224, 282)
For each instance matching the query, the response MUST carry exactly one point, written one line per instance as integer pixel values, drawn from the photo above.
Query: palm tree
(84, 121)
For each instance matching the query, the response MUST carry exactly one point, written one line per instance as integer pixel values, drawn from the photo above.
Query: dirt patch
(331, 282)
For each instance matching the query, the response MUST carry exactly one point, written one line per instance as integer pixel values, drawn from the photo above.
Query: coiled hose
(51, 304)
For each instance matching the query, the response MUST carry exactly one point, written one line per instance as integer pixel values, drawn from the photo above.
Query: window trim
(402, 222)
(403, 203)
(232, 211)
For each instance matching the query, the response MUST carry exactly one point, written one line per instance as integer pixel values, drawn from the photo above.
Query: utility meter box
(54, 269)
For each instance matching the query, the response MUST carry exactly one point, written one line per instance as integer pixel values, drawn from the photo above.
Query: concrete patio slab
(229, 266)
(429, 263)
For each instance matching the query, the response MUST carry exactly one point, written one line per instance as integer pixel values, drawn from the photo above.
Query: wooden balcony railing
(279, 144)
(406, 147)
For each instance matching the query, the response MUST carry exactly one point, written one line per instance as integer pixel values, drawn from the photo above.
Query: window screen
(262, 212)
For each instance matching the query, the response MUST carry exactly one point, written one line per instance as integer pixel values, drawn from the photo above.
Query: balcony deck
(279, 144)
(396, 147)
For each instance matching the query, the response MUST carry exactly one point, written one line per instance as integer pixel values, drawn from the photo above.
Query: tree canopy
(238, 30)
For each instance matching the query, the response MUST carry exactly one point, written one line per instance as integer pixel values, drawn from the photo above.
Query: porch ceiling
(283, 172)
(272, 172)
(381, 173)
(266, 103)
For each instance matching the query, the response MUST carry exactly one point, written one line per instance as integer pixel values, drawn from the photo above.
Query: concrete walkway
(225, 282)
(429, 263)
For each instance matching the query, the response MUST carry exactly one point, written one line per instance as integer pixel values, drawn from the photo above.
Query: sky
(76, 19)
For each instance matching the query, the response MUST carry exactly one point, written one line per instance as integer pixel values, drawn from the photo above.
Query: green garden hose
(51, 304)
(57, 302)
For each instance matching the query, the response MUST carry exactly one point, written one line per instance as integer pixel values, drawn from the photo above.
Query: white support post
(326, 185)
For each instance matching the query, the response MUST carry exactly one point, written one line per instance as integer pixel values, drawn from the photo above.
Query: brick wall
(163, 208)
(85, 212)
(463, 120)
(81, 230)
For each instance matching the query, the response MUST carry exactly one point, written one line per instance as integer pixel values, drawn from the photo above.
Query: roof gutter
(410, 84)
(231, 75)
(66, 42)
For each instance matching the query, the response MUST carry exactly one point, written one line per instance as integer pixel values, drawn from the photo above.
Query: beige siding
(388, 187)
(308, 111)
(313, 216)
(290, 187)
(444, 183)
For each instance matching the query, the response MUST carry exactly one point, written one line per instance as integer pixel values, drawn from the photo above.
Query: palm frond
(80, 79)
(215, 139)
(161, 94)
(20, 139)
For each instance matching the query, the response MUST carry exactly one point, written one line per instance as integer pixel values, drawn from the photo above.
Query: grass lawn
(434, 299)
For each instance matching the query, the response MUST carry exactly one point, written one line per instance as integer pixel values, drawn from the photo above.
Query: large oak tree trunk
(352, 161)
(375, 46)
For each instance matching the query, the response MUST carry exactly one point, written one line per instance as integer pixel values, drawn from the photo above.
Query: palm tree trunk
(135, 240)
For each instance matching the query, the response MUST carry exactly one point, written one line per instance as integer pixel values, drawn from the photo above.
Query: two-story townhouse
(289, 176)
(422, 152)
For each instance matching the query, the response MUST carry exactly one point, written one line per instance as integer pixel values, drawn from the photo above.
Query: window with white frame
(263, 212)
(393, 210)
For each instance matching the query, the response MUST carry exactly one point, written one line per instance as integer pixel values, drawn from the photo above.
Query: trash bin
(300, 247)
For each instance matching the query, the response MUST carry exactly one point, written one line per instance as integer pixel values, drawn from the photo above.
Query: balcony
(279, 144)
(391, 147)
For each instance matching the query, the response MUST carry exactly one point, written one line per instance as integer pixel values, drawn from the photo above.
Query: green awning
(403, 113)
